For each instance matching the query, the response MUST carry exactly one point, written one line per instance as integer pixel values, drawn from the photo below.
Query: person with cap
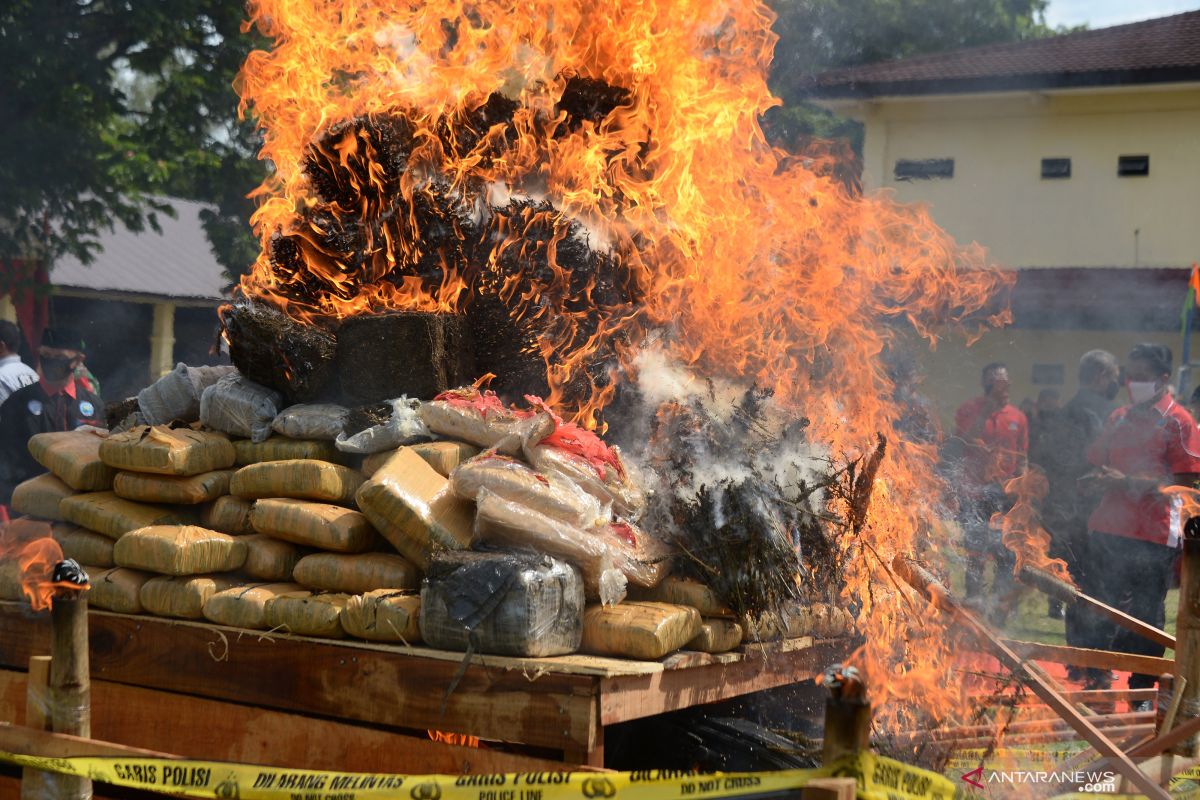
(56, 402)
(14, 373)
(1135, 532)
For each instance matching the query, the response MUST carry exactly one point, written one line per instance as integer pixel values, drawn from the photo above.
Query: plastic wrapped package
(83, 545)
(415, 509)
(179, 550)
(374, 462)
(819, 620)
(269, 559)
(403, 427)
(74, 457)
(507, 524)
(513, 480)
(514, 604)
(646, 559)
(279, 448)
(684, 592)
(240, 407)
(176, 395)
(301, 479)
(118, 589)
(182, 596)
(104, 512)
(321, 525)
(645, 631)
(479, 417)
(167, 451)
(228, 515)
(245, 606)
(717, 635)
(308, 614)
(355, 574)
(384, 615)
(442, 456)
(41, 497)
(611, 481)
(177, 490)
(323, 421)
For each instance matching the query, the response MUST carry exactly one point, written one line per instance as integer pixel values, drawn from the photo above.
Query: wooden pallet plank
(220, 731)
(625, 698)
(1083, 657)
(315, 677)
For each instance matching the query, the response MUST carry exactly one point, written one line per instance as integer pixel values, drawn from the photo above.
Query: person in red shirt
(1134, 534)
(994, 439)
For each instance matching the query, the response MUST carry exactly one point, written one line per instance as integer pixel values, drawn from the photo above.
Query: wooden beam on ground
(220, 731)
(924, 582)
(27, 741)
(1040, 579)
(1084, 657)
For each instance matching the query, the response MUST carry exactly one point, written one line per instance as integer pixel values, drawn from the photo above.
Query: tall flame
(29, 544)
(744, 261)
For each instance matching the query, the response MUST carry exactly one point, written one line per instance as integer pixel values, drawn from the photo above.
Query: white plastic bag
(404, 427)
(311, 421)
(176, 395)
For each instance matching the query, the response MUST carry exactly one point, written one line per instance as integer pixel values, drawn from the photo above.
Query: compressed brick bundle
(161, 450)
(308, 614)
(645, 631)
(228, 515)
(245, 606)
(41, 497)
(301, 479)
(182, 596)
(74, 457)
(384, 615)
(104, 512)
(355, 574)
(278, 448)
(717, 635)
(117, 589)
(85, 546)
(684, 592)
(178, 490)
(321, 525)
(179, 550)
(269, 559)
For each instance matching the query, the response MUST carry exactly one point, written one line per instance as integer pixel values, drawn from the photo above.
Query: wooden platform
(209, 691)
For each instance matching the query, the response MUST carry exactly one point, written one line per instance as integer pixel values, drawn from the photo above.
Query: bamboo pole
(847, 714)
(1187, 631)
(1060, 590)
(70, 683)
(33, 781)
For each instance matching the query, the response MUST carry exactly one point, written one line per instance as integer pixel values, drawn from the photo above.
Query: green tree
(106, 104)
(816, 35)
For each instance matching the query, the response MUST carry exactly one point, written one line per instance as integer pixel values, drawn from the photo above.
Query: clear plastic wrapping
(160, 450)
(646, 631)
(514, 480)
(270, 559)
(179, 550)
(355, 574)
(384, 615)
(480, 418)
(176, 395)
(311, 421)
(502, 603)
(182, 596)
(685, 592)
(613, 485)
(300, 478)
(717, 635)
(176, 490)
(508, 524)
(228, 515)
(308, 614)
(245, 606)
(403, 427)
(240, 407)
(104, 512)
(74, 457)
(322, 525)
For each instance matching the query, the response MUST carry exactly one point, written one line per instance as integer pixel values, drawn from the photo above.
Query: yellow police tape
(878, 779)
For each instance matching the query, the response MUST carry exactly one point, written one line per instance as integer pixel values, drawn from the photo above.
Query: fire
(1021, 528)
(435, 155)
(30, 546)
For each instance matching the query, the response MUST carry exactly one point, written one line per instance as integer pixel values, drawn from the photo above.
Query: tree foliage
(816, 35)
(106, 105)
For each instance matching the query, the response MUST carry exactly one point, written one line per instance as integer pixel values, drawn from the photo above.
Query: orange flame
(744, 261)
(1021, 528)
(30, 545)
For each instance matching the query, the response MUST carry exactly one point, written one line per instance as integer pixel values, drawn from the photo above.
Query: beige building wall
(997, 197)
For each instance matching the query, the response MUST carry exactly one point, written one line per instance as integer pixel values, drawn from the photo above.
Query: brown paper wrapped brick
(383, 615)
(270, 559)
(320, 525)
(245, 606)
(279, 448)
(684, 592)
(717, 635)
(117, 589)
(355, 574)
(182, 596)
(83, 545)
(73, 456)
(301, 479)
(179, 550)
(181, 490)
(442, 456)
(167, 451)
(104, 512)
(228, 515)
(413, 507)
(308, 614)
(41, 497)
(646, 631)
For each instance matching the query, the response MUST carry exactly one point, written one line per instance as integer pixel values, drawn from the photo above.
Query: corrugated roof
(1166, 49)
(174, 264)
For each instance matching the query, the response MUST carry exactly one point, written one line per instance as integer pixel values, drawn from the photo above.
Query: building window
(923, 170)
(1056, 167)
(1048, 374)
(1129, 166)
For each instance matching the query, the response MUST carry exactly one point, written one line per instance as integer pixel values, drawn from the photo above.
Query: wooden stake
(847, 717)
(70, 683)
(1052, 586)
(1187, 632)
(33, 782)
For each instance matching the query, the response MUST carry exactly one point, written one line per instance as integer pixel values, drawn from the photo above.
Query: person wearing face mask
(1061, 450)
(994, 439)
(56, 402)
(1134, 533)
